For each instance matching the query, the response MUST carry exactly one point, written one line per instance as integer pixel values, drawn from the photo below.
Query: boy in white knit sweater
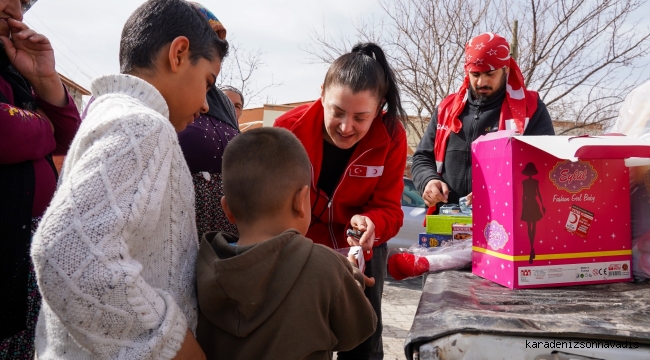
(115, 252)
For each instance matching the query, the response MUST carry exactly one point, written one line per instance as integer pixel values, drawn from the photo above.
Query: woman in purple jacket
(37, 119)
(203, 143)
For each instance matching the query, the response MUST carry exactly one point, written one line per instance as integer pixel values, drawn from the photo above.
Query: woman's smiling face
(348, 115)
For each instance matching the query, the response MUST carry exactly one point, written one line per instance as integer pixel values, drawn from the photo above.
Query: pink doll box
(552, 210)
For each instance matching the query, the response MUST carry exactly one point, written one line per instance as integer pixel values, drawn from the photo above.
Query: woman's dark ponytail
(365, 68)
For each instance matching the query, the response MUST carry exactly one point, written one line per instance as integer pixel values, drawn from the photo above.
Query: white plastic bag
(634, 116)
(417, 260)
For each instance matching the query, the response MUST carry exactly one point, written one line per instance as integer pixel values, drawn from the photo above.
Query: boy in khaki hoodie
(275, 294)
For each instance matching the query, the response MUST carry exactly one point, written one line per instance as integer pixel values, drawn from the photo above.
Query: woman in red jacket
(357, 147)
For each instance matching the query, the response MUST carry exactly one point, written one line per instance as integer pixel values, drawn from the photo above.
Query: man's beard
(488, 98)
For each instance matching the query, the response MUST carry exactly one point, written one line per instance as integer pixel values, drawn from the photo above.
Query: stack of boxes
(441, 229)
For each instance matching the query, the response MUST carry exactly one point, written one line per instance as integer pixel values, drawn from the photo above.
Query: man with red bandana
(492, 97)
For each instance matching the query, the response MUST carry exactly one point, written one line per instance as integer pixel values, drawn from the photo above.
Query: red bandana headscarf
(486, 52)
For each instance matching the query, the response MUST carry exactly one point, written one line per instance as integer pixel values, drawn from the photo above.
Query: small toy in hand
(357, 234)
(355, 253)
(355, 256)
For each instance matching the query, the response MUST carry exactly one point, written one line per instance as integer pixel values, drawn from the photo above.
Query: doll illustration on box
(531, 211)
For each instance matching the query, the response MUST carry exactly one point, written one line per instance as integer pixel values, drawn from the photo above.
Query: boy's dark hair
(261, 169)
(366, 68)
(157, 23)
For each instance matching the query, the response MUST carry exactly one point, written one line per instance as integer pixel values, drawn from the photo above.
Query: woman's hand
(32, 55)
(363, 223)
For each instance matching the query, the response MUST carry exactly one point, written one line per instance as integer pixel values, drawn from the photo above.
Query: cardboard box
(441, 224)
(552, 210)
(461, 232)
(433, 240)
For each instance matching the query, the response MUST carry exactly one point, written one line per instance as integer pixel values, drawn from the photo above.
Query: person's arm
(384, 208)
(352, 319)
(31, 135)
(84, 269)
(32, 55)
(540, 123)
(65, 120)
(423, 168)
(24, 135)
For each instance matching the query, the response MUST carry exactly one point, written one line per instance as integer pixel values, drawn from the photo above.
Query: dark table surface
(459, 301)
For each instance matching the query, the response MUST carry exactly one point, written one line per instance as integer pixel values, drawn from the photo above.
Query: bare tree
(580, 55)
(238, 69)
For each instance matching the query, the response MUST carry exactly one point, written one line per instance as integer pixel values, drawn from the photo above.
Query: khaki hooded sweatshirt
(285, 298)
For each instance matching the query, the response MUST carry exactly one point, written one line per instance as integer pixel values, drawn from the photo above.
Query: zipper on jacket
(329, 205)
(331, 213)
(319, 193)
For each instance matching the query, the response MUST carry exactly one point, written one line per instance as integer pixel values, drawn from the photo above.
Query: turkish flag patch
(366, 171)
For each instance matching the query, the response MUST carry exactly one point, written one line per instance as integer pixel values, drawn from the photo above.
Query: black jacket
(478, 119)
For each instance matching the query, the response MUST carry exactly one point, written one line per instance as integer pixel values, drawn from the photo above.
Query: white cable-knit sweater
(116, 250)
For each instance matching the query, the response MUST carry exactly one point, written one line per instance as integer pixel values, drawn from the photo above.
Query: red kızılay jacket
(371, 185)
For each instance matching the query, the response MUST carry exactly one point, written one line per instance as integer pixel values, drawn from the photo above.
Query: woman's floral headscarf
(216, 25)
(26, 4)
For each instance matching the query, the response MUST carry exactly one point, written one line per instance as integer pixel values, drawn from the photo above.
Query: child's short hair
(261, 169)
(157, 23)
